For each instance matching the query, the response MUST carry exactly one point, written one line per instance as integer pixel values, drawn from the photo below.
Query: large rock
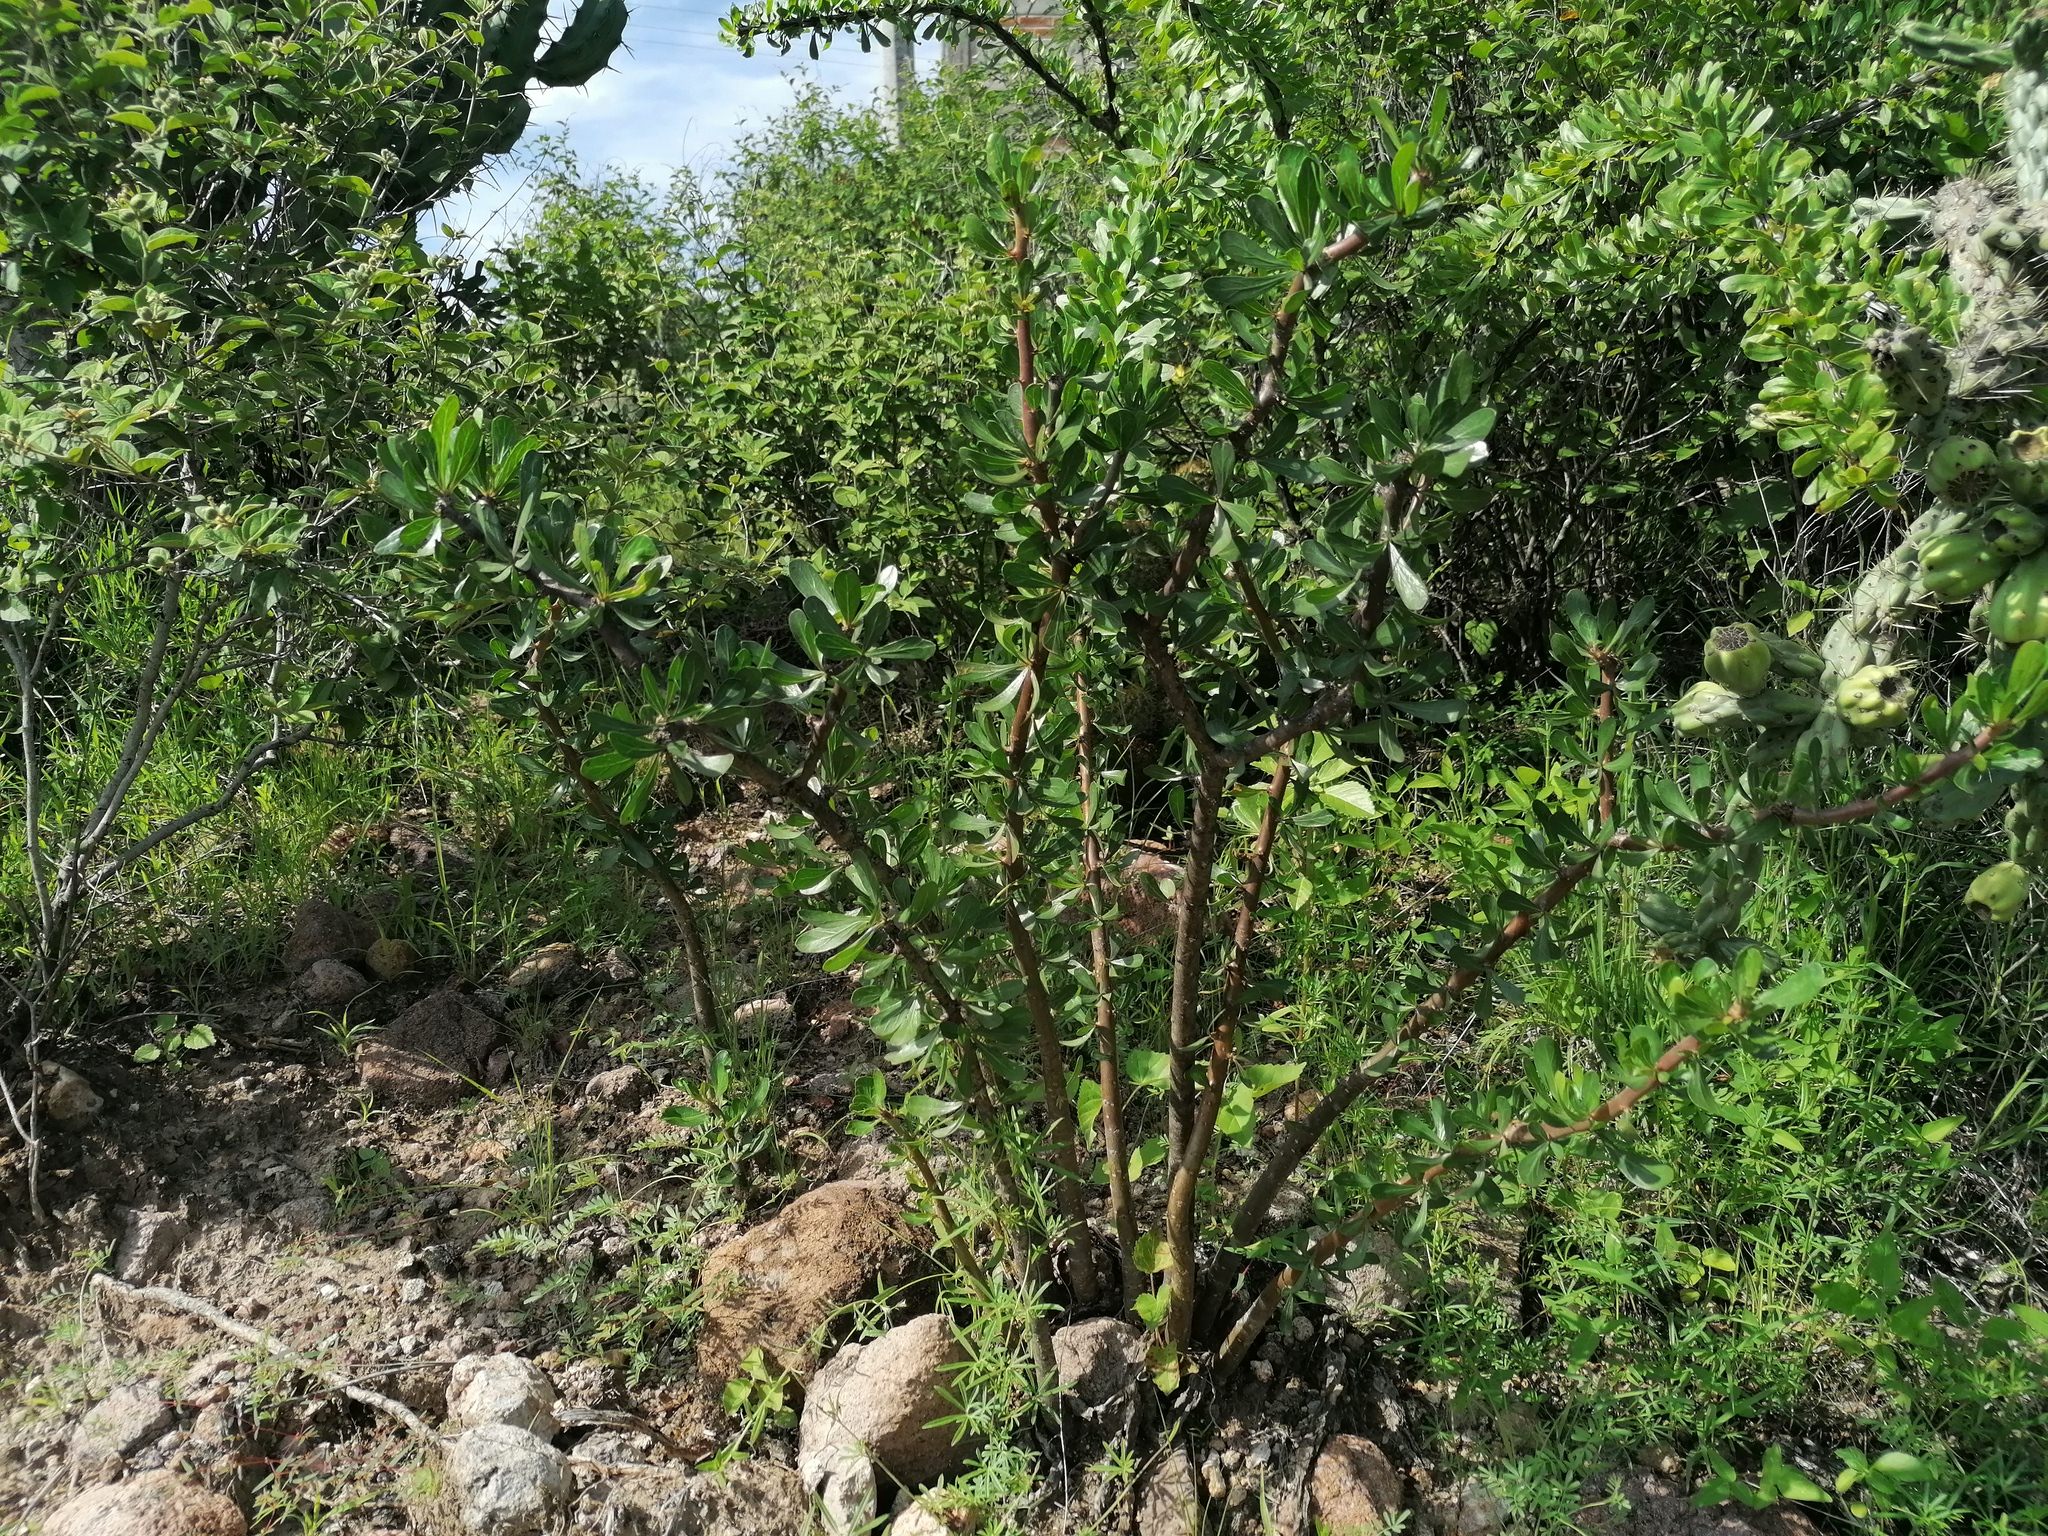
(885, 1397)
(508, 1482)
(776, 1287)
(548, 970)
(842, 1486)
(1099, 1361)
(119, 1425)
(323, 931)
(501, 1389)
(1169, 1503)
(1355, 1490)
(430, 1054)
(1380, 1283)
(153, 1504)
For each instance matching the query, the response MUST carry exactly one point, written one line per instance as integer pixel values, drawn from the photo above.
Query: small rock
(508, 1482)
(148, 1239)
(942, 1519)
(390, 959)
(501, 1389)
(330, 984)
(1215, 1481)
(412, 1292)
(1355, 1490)
(1168, 1502)
(69, 1099)
(308, 1213)
(1381, 1283)
(841, 1479)
(764, 1012)
(617, 968)
(153, 1504)
(885, 1396)
(430, 1052)
(546, 971)
(1099, 1361)
(1479, 1510)
(122, 1423)
(623, 1089)
(323, 931)
(777, 1286)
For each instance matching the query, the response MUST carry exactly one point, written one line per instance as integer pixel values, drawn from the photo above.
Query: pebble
(412, 1292)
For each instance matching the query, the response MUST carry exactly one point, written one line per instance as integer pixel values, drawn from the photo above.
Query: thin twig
(192, 1306)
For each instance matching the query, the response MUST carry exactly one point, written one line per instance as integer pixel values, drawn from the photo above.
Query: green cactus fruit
(1876, 698)
(2023, 466)
(1998, 893)
(2016, 531)
(2019, 608)
(1704, 708)
(1962, 469)
(586, 44)
(1955, 565)
(1792, 658)
(1738, 658)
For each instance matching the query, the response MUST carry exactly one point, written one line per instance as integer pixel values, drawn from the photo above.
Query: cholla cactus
(1968, 412)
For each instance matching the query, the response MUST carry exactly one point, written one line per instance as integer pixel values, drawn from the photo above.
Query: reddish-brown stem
(1296, 1142)
(1190, 938)
(1603, 711)
(1340, 1237)
(1109, 1072)
(1266, 394)
(1181, 1198)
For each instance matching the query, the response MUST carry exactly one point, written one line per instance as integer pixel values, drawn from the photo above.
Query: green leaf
(825, 931)
(1937, 1131)
(1147, 1069)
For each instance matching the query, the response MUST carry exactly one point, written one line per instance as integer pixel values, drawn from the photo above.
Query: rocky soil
(369, 1353)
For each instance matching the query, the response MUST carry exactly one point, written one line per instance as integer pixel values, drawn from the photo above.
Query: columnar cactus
(1968, 413)
(509, 58)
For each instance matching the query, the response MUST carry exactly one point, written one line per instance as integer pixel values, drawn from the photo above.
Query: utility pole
(899, 76)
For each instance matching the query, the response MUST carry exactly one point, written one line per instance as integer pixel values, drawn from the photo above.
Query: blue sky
(675, 96)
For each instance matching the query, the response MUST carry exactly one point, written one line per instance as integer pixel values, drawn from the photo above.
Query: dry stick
(1340, 1237)
(1181, 1212)
(192, 1306)
(1109, 1072)
(1299, 1139)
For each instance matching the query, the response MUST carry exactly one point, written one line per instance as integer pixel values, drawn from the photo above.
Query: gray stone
(148, 1240)
(1100, 1361)
(885, 1397)
(330, 984)
(623, 1089)
(69, 1099)
(841, 1481)
(153, 1504)
(501, 1389)
(119, 1425)
(508, 1482)
(1169, 1503)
